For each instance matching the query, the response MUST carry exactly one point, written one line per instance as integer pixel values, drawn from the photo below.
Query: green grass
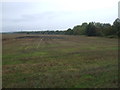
(72, 62)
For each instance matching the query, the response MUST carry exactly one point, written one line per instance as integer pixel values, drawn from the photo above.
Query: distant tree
(83, 28)
(28, 32)
(99, 28)
(116, 27)
(107, 29)
(91, 30)
(69, 31)
(76, 30)
(84, 24)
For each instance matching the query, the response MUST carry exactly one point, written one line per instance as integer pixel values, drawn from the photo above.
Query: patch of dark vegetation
(40, 37)
(5, 39)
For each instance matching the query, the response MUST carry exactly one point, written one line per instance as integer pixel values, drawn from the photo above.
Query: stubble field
(59, 61)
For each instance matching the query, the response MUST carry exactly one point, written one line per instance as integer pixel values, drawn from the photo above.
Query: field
(59, 61)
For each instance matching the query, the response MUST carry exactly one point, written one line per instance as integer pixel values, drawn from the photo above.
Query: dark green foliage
(107, 29)
(77, 30)
(116, 26)
(69, 32)
(83, 28)
(27, 32)
(91, 30)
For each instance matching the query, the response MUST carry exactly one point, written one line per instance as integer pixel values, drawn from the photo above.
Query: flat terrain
(41, 61)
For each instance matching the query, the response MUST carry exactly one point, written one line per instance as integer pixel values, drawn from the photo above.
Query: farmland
(59, 61)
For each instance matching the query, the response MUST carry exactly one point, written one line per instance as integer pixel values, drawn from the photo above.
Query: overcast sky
(56, 14)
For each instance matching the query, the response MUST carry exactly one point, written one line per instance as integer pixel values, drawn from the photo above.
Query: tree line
(96, 29)
(88, 29)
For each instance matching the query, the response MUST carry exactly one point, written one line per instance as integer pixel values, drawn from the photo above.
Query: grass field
(59, 61)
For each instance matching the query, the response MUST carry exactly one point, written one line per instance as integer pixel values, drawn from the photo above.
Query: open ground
(59, 61)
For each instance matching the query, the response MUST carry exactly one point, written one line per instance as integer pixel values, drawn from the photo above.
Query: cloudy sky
(56, 14)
